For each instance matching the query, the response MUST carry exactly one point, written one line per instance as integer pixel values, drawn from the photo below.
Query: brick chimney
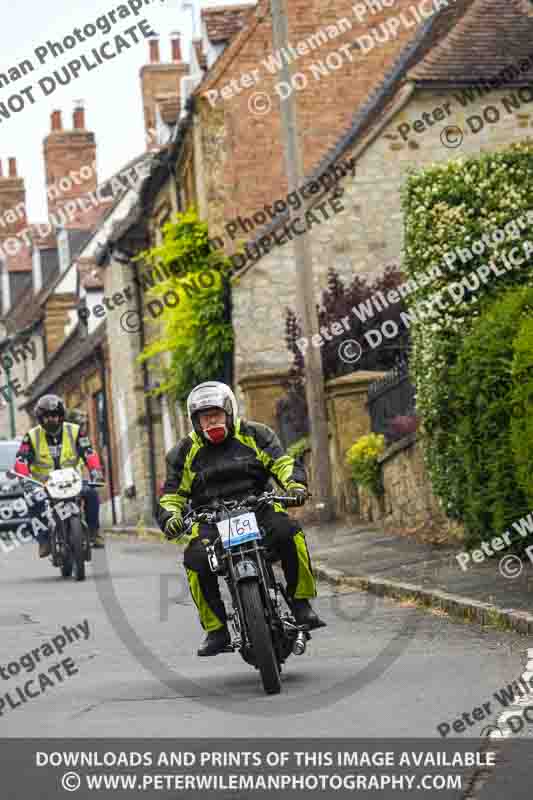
(154, 51)
(12, 201)
(56, 123)
(160, 81)
(79, 118)
(70, 160)
(175, 45)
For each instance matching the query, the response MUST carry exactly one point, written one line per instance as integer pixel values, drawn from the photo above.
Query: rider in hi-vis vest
(56, 444)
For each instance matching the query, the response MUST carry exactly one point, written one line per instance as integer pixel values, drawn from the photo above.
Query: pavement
(368, 558)
(365, 557)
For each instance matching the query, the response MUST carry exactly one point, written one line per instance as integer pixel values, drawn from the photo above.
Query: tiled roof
(74, 350)
(388, 84)
(88, 219)
(223, 22)
(492, 35)
(27, 308)
(77, 239)
(234, 47)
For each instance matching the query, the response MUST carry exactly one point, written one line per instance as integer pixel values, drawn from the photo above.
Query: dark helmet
(50, 404)
(212, 394)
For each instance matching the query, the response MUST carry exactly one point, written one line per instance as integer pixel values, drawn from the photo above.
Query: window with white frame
(63, 249)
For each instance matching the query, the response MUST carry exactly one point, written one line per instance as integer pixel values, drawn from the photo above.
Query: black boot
(96, 539)
(44, 549)
(304, 615)
(215, 642)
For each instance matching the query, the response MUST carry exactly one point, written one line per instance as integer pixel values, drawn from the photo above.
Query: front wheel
(260, 636)
(77, 548)
(61, 552)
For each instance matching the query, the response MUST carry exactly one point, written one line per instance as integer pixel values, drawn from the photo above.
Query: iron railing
(391, 402)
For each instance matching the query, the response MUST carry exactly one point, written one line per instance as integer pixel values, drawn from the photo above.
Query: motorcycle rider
(228, 457)
(89, 493)
(55, 444)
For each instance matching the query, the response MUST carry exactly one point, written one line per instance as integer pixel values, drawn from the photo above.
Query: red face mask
(217, 434)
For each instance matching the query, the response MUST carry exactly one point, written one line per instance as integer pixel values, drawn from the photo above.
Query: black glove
(174, 528)
(96, 476)
(299, 494)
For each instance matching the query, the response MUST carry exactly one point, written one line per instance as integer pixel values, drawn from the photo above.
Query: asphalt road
(379, 669)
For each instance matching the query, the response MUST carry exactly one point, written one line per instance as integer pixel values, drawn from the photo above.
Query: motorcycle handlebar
(286, 500)
(252, 500)
(12, 474)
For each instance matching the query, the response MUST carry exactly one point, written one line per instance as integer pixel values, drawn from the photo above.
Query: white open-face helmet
(212, 394)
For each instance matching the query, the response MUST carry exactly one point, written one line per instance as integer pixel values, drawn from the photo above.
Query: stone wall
(408, 502)
(383, 167)
(258, 396)
(263, 294)
(348, 421)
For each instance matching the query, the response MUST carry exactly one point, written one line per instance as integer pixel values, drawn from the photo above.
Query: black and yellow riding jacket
(242, 464)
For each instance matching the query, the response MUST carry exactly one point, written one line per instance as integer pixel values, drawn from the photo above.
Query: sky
(111, 92)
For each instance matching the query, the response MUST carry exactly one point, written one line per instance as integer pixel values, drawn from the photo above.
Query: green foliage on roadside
(490, 409)
(448, 206)
(196, 331)
(522, 408)
(363, 457)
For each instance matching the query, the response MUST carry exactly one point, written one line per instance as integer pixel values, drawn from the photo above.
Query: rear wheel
(77, 547)
(260, 637)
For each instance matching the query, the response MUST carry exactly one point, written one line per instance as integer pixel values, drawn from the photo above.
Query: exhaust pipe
(299, 644)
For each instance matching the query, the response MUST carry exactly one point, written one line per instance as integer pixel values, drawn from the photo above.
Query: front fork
(284, 628)
(59, 533)
(236, 617)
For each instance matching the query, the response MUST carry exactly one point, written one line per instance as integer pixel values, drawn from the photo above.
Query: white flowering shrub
(468, 238)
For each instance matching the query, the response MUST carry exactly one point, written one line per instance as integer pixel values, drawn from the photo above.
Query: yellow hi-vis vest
(44, 463)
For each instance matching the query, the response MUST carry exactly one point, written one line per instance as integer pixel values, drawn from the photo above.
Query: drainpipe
(12, 426)
(147, 398)
(107, 432)
(228, 317)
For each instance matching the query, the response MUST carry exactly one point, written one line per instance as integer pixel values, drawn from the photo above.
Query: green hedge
(522, 400)
(486, 403)
(449, 206)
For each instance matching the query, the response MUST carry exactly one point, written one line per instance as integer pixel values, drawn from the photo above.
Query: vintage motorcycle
(69, 535)
(263, 634)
